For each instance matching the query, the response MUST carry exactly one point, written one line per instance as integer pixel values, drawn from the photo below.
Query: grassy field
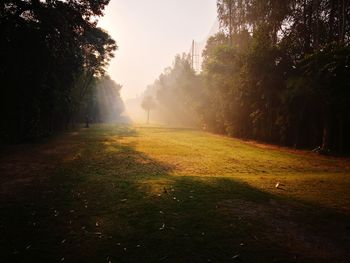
(156, 194)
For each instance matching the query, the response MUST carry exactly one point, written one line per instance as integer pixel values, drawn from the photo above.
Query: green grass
(156, 194)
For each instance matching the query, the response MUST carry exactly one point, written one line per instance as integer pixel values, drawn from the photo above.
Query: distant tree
(148, 104)
(177, 91)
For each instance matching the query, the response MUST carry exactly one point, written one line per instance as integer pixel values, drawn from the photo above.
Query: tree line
(278, 72)
(52, 57)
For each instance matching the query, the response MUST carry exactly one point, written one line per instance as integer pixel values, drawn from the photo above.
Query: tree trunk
(325, 134)
(307, 26)
(331, 21)
(275, 35)
(148, 116)
(309, 31)
(341, 134)
(296, 136)
(298, 125)
(87, 121)
(317, 29)
(230, 22)
(342, 24)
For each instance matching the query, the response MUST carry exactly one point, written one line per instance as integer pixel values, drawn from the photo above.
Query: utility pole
(230, 22)
(195, 57)
(192, 55)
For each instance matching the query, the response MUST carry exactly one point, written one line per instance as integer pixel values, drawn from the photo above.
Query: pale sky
(149, 33)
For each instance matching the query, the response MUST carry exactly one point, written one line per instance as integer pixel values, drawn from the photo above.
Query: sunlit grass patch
(176, 195)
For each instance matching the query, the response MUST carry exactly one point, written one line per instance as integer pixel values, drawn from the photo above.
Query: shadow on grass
(113, 203)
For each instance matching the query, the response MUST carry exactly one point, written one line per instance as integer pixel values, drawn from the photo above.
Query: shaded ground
(123, 194)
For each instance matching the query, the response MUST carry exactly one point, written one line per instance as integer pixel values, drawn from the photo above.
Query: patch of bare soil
(308, 233)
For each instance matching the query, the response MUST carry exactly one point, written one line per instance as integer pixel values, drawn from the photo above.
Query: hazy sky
(149, 33)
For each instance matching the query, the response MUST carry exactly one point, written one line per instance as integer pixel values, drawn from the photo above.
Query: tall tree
(148, 104)
(51, 51)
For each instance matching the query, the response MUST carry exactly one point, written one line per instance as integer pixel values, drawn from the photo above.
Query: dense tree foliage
(52, 52)
(279, 71)
(176, 89)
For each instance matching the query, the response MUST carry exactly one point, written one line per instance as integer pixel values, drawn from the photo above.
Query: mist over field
(175, 131)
